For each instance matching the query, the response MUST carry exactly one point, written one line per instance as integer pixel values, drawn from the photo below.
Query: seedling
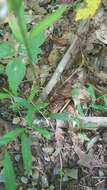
(27, 46)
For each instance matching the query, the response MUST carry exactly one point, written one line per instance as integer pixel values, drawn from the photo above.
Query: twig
(68, 58)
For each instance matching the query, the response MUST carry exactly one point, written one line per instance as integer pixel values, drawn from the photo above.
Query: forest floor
(75, 158)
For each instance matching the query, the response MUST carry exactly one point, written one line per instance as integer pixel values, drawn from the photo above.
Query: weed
(28, 46)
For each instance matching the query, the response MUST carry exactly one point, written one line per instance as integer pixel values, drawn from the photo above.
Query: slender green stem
(26, 43)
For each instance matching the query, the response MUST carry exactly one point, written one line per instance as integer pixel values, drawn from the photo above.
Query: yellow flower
(89, 11)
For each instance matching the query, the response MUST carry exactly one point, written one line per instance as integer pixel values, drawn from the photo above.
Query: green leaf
(38, 40)
(21, 102)
(26, 153)
(40, 106)
(15, 28)
(29, 117)
(4, 96)
(2, 69)
(15, 5)
(33, 93)
(17, 21)
(80, 109)
(99, 107)
(6, 50)
(48, 21)
(34, 47)
(91, 91)
(64, 116)
(15, 71)
(45, 133)
(9, 175)
(10, 136)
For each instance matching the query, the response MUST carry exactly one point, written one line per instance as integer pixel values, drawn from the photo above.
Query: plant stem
(26, 43)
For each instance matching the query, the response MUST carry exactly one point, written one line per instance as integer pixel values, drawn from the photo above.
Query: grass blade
(10, 136)
(44, 132)
(9, 175)
(4, 96)
(48, 21)
(26, 153)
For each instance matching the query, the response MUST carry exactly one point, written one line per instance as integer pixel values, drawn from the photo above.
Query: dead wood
(67, 58)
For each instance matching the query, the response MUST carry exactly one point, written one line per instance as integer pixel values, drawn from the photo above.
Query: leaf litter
(75, 156)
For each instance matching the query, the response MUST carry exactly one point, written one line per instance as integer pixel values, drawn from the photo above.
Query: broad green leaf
(9, 175)
(38, 40)
(34, 47)
(64, 116)
(44, 132)
(48, 21)
(15, 71)
(91, 91)
(4, 96)
(26, 153)
(6, 50)
(21, 102)
(2, 69)
(10, 136)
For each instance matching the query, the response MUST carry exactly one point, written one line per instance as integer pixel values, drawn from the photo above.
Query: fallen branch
(97, 121)
(68, 58)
